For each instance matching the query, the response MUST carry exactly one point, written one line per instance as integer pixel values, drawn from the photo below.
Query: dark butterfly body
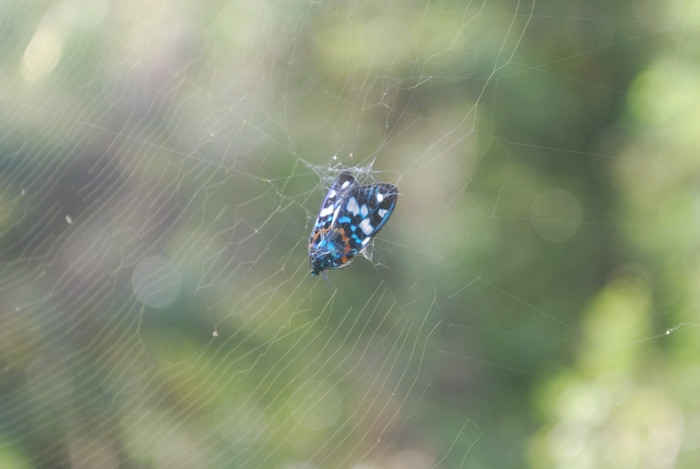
(349, 218)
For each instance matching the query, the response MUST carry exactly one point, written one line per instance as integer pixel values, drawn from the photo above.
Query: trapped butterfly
(350, 216)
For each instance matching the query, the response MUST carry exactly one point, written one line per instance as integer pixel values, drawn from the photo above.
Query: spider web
(163, 163)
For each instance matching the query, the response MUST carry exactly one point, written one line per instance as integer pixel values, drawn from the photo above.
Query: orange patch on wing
(345, 239)
(317, 235)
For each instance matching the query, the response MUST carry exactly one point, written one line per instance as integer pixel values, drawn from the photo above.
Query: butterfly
(349, 218)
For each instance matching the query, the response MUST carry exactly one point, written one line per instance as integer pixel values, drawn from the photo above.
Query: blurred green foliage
(530, 304)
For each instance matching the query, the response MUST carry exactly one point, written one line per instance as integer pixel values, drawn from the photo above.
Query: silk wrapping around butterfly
(350, 216)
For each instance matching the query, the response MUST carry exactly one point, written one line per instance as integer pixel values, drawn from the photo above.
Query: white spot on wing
(345, 184)
(365, 241)
(380, 196)
(364, 210)
(366, 226)
(353, 207)
(332, 193)
(326, 211)
(381, 212)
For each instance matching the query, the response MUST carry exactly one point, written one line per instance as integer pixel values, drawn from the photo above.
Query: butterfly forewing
(329, 207)
(382, 200)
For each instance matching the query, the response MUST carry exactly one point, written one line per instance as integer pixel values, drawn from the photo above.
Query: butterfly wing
(367, 211)
(330, 207)
(382, 201)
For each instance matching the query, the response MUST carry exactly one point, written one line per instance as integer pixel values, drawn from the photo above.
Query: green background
(531, 303)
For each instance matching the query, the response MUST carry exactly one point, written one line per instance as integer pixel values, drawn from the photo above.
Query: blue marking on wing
(334, 196)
